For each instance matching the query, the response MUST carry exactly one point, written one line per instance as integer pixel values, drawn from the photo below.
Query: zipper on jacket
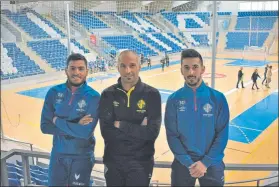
(195, 99)
(128, 94)
(73, 90)
(72, 97)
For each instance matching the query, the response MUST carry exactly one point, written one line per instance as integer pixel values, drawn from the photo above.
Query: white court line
(166, 92)
(246, 128)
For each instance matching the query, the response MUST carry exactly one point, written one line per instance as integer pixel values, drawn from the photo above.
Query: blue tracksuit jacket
(197, 125)
(69, 136)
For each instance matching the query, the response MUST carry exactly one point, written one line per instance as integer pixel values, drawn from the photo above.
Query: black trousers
(264, 80)
(129, 173)
(239, 80)
(180, 175)
(255, 83)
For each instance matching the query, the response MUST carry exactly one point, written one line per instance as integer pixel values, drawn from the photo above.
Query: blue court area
(251, 123)
(247, 63)
(244, 128)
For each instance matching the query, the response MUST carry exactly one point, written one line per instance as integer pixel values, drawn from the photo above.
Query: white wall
(6, 5)
(43, 8)
(105, 6)
(224, 6)
(6, 35)
(177, 3)
(229, 6)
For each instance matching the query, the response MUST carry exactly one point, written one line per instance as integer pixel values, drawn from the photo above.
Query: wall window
(274, 5)
(255, 6)
(245, 6)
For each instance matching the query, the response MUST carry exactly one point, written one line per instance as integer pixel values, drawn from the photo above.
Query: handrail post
(33, 160)
(26, 169)
(258, 182)
(4, 174)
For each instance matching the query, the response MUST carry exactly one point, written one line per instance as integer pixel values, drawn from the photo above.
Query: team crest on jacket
(81, 104)
(207, 108)
(182, 105)
(59, 97)
(115, 103)
(141, 105)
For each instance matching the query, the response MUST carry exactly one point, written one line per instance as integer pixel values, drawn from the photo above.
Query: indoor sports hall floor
(253, 132)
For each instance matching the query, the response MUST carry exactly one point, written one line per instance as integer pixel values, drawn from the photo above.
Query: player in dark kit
(130, 120)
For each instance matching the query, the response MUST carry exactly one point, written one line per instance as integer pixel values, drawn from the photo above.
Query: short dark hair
(74, 57)
(191, 53)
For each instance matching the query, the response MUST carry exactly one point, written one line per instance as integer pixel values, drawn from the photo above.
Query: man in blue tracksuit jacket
(196, 121)
(70, 115)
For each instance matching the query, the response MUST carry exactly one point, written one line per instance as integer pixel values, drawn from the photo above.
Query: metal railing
(159, 164)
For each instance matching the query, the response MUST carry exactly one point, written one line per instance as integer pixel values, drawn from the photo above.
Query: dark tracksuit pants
(149, 66)
(70, 171)
(264, 79)
(128, 173)
(180, 175)
(239, 80)
(255, 84)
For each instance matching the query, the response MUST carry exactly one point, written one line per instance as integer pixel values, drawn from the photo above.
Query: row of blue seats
(27, 25)
(201, 38)
(255, 23)
(128, 41)
(175, 37)
(48, 23)
(24, 65)
(258, 13)
(224, 13)
(88, 20)
(152, 43)
(142, 16)
(172, 16)
(55, 55)
(237, 40)
(80, 46)
(175, 47)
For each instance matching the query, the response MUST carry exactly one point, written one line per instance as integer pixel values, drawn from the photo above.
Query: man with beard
(130, 120)
(197, 126)
(70, 115)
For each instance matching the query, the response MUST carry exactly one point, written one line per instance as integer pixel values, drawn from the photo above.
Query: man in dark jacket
(130, 120)
(240, 78)
(254, 78)
(265, 72)
(148, 62)
(163, 61)
(167, 59)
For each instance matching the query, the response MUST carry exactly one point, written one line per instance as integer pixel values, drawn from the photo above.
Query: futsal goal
(255, 53)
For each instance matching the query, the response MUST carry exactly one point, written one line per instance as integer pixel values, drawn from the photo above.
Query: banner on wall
(93, 39)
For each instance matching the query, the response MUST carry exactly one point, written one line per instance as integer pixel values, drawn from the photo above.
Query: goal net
(254, 52)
